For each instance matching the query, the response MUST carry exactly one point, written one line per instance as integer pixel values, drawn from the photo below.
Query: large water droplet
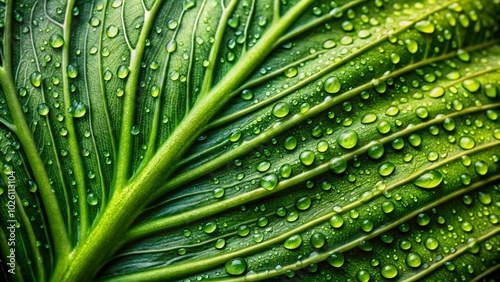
(425, 27)
(77, 109)
(429, 180)
(293, 242)
(56, 41)
(348, 139)
(269, 181)
(466, 142)
(281, 110)
(236, 266)
(332, 85)
(307, 157)
(112, 31)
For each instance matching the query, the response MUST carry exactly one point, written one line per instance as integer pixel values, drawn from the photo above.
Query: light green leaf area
(247, 140)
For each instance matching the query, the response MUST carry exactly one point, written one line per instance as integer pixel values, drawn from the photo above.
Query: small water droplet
(348, 139)
(293, 242)
(269, 181)
(112, 31)
(425, 27)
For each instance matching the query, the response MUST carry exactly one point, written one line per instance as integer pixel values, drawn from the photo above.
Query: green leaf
(239, 140)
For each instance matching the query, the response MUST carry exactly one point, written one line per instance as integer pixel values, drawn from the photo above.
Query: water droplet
(429, 180)
(263, 166)
(336, 221)
(466, 142)
(437, 92)
(122, 71)
(218, 192)
(269, 181)
(348, 139)
(338, 165)
(318, 240)
(72, 71)
(43, 109)
(368, 118)
(363, 34)
(423, 219)
(236, 266)
(395, 58)
(431, 243)
(36, 79)
(363, 275)
(77, 109)
(293, 242)
(94, 22)
(490, 90)
(92, 199)
(411, 45)
(112, 31)
(243, 231)
(471, 85)
(303, 203)
(220, 243)
(463, 55)
(384, 127)
(367, 225)
(481, 168)
(291, 72)
(415, 140)
(209, 227)
(188, 4)
(56, 41)
(285, 170)
(422, 112)
(135, 130)
(484, 198)
(247, 94)
(171, 46)
(281, 110)
(425, 27)
(329, 44)
(389, 271)
(116, 3)
(376, 150)
(387, 207)
(32, 187)
(307, 157)
(332, 85)
(336, 260)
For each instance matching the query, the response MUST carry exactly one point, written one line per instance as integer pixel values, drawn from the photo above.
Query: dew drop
(236, 266)
(431, 243)
(336, 260)
(471, 85)
(77, 109)
(92, 199)
(112, 31)
(281, 110)
(389, 271)
(122, 71)
(56, 41)
(376, 151)
(429, 180)
(466, 142)
(348, 139)
(425, 27)
(318, 240)
(481, 167)
(332, 85)
(307, 157)
(36, 79)
(437, 92)
(43, 109)
(411, 45)
(269, 181)
(209, 227)
(338, 164)
(368, 118)
(293, 242)
(336, 221)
